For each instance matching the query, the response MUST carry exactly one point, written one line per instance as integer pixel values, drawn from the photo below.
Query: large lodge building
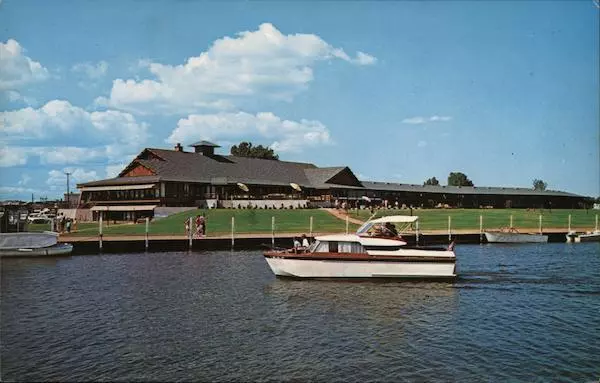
(159, 178)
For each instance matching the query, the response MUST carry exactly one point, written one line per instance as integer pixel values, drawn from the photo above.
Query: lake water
(517, 313)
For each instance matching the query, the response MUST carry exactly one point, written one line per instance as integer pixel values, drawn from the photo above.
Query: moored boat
(32, 244)
(374, 251)
(592, 236)
(513, 236)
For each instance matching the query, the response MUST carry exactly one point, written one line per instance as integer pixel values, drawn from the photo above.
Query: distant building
(172, 178)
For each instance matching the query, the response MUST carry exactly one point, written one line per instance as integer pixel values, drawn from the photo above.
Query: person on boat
(297, 244)
(305, 243)
(390, 229)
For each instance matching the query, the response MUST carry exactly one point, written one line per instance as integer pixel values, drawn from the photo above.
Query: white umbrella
(296, 187)
(366, 198)
(243, 187)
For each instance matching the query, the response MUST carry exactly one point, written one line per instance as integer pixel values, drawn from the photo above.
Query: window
(333, 247)
(350, 247)
(322, 247)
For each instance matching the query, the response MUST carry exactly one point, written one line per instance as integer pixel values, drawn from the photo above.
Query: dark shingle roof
(171, 165)
(389, 186)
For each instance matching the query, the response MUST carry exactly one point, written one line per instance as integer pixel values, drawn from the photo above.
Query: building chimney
(178, 147)
(205, 148)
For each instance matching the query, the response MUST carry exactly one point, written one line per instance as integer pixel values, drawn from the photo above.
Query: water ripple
(518, 313)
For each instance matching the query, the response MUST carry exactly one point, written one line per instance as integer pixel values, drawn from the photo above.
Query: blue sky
(398, 91)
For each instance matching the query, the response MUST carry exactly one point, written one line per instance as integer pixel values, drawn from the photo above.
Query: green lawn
(437, 219)
(298, 221)
(218, 222)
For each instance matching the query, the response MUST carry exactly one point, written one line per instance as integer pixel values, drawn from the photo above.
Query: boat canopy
(405, 220)
(396, 219)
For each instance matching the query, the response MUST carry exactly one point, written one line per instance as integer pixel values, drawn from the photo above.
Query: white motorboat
(32, 244)
(591, 236)
(375, 250)
(511, 235)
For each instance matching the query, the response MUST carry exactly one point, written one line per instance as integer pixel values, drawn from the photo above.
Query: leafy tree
(459, 179)
(539, 185)
(431, 181)
(246, 149)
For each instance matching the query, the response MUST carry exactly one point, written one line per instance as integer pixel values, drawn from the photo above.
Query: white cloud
(257, 63)
(25, 178)
(91, 70)
(14, 96)
(285, 135)
(421, 144)
(59, 119)
(99, 136)
(16, 69)
(78, 175)
(422, 120)
(114, 169)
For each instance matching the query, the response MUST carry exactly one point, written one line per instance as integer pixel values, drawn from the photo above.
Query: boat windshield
(364, 228)
(313, 246)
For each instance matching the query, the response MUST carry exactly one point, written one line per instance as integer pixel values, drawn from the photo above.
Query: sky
(399, 91)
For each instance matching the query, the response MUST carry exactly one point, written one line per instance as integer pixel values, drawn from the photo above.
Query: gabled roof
(172, 165)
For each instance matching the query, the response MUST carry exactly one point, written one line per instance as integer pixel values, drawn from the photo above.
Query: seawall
(135, 244)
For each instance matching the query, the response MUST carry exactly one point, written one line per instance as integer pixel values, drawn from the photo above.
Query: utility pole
(68, 200)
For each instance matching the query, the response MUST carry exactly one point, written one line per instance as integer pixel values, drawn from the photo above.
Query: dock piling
(273, 231)
(540, 224)
(449, 228)
(190, 223)
(481, 229)
(417, 233)
(310, 228)
(147, 226)
(347, 223)
(100, 232)
(232, 232)
(569, 223)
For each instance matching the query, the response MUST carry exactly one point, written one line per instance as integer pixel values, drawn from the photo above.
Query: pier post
(310, 229)
(540, 224)
(190, 232)
(417, 233)
(273, 231)
(449, 230)
(596, 227)
(100, 231)
(481, 229)
(569, 223)
(346, 224)
(511, 221)
(232, 232)
(147, 225)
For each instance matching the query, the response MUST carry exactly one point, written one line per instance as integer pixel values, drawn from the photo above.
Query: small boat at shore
(374, 251)
(591, 236)
(511, 235)
(32, 244)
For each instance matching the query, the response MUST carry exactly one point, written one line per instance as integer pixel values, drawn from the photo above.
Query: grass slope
(298, 221)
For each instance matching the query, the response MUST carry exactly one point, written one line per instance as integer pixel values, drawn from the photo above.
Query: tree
(431, 181)
(246, 149)
(459, 179)
(539, 185)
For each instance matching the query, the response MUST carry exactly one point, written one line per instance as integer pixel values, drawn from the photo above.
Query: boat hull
(56, 250)
(320, 268)
(500, 237)
(27, 240)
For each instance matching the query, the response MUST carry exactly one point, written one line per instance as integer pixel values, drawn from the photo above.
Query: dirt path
(340, 214)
